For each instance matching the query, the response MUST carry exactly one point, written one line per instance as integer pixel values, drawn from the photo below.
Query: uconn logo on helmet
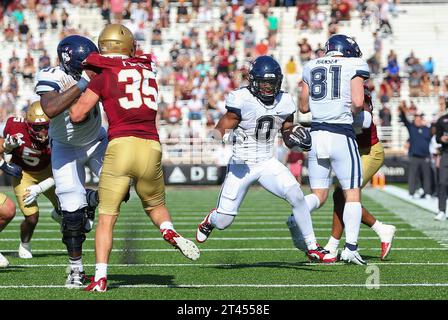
(66, 55)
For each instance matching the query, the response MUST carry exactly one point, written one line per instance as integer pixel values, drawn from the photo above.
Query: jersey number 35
(140, 89)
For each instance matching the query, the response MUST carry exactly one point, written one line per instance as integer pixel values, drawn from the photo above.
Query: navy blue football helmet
(72, 51)
(265, 79)
(339, 43)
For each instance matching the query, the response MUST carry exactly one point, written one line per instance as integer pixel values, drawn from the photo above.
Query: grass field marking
(217, 239)
(225, 249)
(236, 285)
(152, 265)
(417, 217)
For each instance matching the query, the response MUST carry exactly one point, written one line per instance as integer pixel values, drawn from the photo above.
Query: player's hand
(236, 136)
(31, 194)
(11, 142)
(86, 75)
(11, 169)
(444, 139)
(67, 81)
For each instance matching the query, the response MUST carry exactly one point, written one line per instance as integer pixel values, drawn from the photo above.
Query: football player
(7, 207)
(255, 115)
(26, 139)
(74, 146)
(128, 90)
(333, 91)
(372, 158)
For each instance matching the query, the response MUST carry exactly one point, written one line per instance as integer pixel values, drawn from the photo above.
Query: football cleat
(75, 279)
(204, 228)
(386, 234)
(25, 253)
(3, 261)
(187, 247)
(100, 285)
(441, 216)
(352, 257)
(321, 255)
(296, 234)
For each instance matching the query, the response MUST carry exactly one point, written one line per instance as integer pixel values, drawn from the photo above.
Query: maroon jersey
(32, 155)
(369, 136)
(128, 90)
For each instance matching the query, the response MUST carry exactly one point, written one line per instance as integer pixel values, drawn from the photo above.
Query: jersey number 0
(140, 89)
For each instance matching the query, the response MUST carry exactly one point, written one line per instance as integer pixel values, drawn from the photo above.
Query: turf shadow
(138, 279)
(306, 266)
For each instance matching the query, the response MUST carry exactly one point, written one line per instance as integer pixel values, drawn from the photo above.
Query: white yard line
(238, 285)
(212, 239)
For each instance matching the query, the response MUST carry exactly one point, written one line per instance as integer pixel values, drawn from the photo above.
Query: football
(297, 136)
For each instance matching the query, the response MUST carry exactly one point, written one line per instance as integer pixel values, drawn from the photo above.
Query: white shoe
(386, 234)
(24, 253)
(352, 257)
(441, 216)
(333, 252)
(296, 234)
(75, 279)
(3, 261)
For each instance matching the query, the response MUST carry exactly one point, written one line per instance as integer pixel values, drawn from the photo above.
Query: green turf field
(253, 259)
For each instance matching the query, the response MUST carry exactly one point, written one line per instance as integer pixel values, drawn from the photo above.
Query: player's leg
(30, 212)
(346, 163)
(69, 174)
(7, 213)
(443, 185)
(278, 180)
(238, 179)
(150, 187)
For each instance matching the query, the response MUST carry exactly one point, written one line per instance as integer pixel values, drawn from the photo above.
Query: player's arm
(304, 105)
(226, 129)
(54, 103)
(8, 168)
(81, 108)
(33, 191)
(357, 92)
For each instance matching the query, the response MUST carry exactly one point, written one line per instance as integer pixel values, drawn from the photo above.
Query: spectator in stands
(54, 19)
(249, 39)
(249, 6)
(305, 51)
(426, 83)
(13, 67)
(105, 11)
(65, 16)
(419, 156)
(9, 33)
(262, 48)
(272, 22)
(157, 34)
(428, 66)
(385, 116)
(172, 113)
(436, 85)
(117, 8)
(195, 108)
(24, 30)
(415, 83)
(290, 72)
(386, 91)
(28, 67)
(44, 61)
(41, 17)
(182, 12)
(263, 7)
(320, 51)
(333, 27)
(385, 26)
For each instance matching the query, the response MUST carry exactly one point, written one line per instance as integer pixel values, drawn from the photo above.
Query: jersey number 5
(319, 78)
(140, 89)
(31, 156)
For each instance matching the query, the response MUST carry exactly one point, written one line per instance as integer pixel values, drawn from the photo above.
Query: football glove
(235, 136)
(11, 169)
(31, 194)
(11, 142)
(298, 137)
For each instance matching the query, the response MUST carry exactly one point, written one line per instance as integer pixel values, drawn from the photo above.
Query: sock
(26, 245)
(302, 217)
(332, 244)
(376, 226)
(166, 225)
(312, 202)
(352, 221)
(212, 218)
(76, 263)
(100, 271)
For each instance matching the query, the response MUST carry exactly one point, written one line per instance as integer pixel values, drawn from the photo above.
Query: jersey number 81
(140, 89)
(319, 84)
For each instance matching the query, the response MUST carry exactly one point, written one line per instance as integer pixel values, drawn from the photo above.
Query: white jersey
(329, 80)
(61, 128)
(260, 122)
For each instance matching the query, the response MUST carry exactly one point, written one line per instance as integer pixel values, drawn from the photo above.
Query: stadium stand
(203, 48)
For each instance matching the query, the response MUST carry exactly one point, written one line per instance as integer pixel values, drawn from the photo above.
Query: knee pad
(73, 229)
(293, 194)
(221, 220)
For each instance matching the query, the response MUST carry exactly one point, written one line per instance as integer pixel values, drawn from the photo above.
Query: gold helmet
(37, 122)
(116, 38)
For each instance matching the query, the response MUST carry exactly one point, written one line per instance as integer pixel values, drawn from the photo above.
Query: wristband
(82, 84)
